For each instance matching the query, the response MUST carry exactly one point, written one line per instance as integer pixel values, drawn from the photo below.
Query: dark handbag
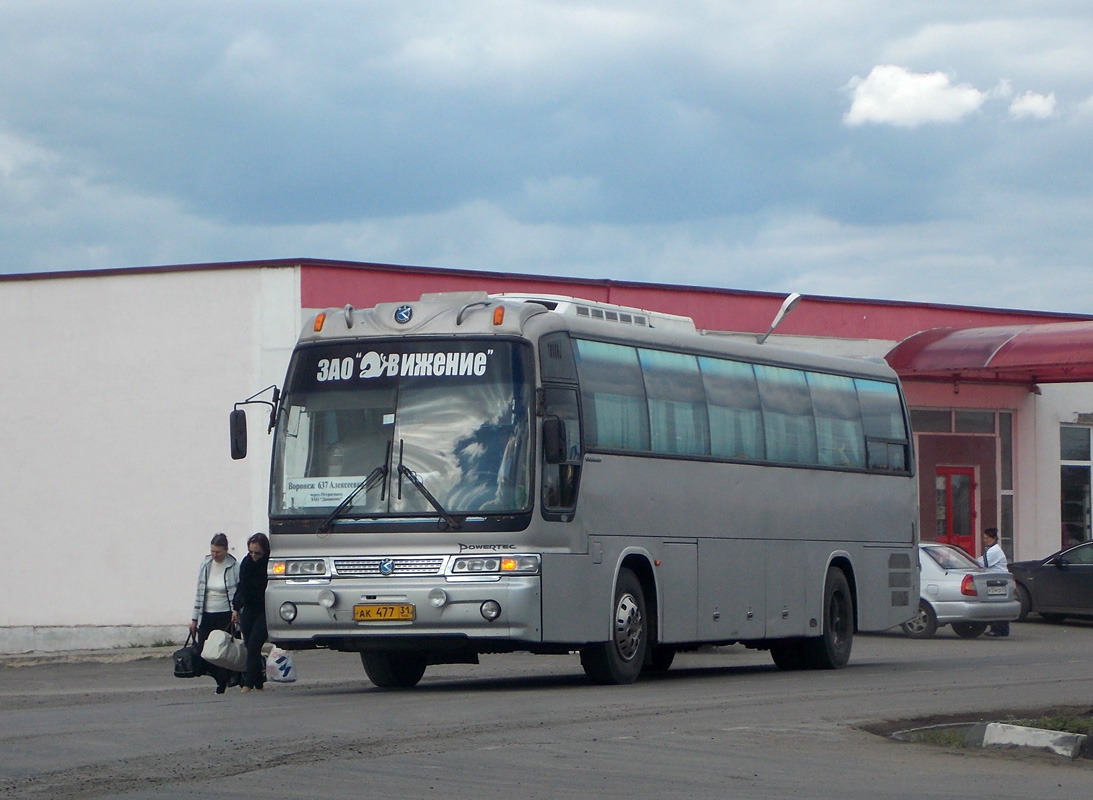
(188, 663)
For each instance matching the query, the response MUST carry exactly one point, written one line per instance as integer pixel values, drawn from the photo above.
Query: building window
(1075, 454)
(931, 420)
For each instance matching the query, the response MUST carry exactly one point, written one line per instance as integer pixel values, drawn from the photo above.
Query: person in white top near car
(994, 560)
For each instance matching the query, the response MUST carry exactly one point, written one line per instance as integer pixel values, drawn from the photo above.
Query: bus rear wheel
(620, 660)
(394, 670)
(832, 649)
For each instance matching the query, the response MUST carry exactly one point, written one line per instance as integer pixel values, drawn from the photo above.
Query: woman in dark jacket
(250, 602)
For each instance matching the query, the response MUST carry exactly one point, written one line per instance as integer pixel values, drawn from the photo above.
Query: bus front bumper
(304, 612)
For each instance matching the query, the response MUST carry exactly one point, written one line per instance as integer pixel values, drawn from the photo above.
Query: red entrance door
(956, 507)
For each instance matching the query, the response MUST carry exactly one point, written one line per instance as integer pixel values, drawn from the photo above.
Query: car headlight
(496, 565)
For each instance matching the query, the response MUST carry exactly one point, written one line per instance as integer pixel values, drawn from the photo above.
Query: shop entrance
(956, 489)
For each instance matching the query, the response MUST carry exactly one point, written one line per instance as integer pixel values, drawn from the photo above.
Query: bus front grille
(373, 567)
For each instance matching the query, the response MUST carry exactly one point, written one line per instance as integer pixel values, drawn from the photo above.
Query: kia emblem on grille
(387, 567)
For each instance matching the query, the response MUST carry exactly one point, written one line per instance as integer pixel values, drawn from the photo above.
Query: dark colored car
(1058, 586)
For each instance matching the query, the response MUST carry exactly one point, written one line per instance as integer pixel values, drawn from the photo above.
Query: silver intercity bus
(471, 474)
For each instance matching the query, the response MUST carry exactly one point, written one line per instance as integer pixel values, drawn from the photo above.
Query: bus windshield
(404, 428)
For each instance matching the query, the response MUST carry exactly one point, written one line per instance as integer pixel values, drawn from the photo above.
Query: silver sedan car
(956, 591)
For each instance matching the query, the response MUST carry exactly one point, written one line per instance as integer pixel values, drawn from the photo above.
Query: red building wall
(334, 284)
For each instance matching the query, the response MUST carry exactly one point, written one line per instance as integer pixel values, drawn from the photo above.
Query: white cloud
(1036, 106)
(892, 95)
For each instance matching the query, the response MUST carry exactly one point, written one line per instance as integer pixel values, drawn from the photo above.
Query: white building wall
(114, 465)
(1039, 515)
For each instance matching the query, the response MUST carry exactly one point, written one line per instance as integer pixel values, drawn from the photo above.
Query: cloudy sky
(935, 151)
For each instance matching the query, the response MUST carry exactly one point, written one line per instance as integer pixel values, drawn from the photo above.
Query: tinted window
(677, 403)
(736, 417)
(839, 438)
(613, 396)
(787, 415)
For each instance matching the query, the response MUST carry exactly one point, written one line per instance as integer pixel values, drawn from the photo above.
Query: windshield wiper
(404, 470)
(365, 485)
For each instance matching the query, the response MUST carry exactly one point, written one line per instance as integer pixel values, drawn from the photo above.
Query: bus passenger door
(956, 507)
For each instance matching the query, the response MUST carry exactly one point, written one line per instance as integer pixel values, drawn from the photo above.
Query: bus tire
(789, 656)
(394, 670)
(831, 650)
(620, 660)
(659, 658)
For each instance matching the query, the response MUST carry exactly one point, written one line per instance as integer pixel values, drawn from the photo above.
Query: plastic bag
(280, 666)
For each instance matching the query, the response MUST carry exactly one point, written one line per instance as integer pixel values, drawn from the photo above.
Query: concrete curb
(1001, 734)
(117, 656)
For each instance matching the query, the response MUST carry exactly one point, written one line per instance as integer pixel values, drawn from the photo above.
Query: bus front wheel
(832, 649)
(394, 670)
(620, 660)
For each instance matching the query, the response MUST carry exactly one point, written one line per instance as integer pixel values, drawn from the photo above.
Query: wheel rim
(917, 623)
(628, 627)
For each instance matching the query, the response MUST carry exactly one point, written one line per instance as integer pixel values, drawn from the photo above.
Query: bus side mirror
(237, 423)
(554, 444)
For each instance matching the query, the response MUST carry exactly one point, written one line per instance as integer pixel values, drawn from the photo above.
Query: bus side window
(886, 439)
(561, 480)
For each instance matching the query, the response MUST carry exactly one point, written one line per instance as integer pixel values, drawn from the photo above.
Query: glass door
(956, 489)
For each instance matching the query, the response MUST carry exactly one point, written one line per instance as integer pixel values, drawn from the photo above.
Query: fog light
(327, 599)
(438, 598)
(287, 611)
(491, 610)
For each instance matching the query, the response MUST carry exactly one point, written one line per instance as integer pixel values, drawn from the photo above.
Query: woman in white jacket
(216, 583)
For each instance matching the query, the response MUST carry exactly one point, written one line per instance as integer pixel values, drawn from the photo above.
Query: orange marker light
(279, 566)
(508, 564)
(319, 320)
(498, 315)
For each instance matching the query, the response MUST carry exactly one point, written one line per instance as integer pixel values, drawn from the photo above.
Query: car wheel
(620, 660)
(1026, 602)
(969, 630)
(923, 624)
(394, 670)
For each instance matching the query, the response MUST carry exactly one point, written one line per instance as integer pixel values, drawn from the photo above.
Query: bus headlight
(287, 611)
(496, 565)
(490, 610)
(327, 598)
(302, 568)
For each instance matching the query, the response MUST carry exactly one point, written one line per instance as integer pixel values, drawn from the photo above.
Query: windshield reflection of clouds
(467, 442)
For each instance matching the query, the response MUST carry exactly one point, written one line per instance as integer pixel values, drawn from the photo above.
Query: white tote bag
(280, 666)
(224, 650)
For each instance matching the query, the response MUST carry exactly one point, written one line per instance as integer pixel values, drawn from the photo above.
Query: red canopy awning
(1056, 352)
